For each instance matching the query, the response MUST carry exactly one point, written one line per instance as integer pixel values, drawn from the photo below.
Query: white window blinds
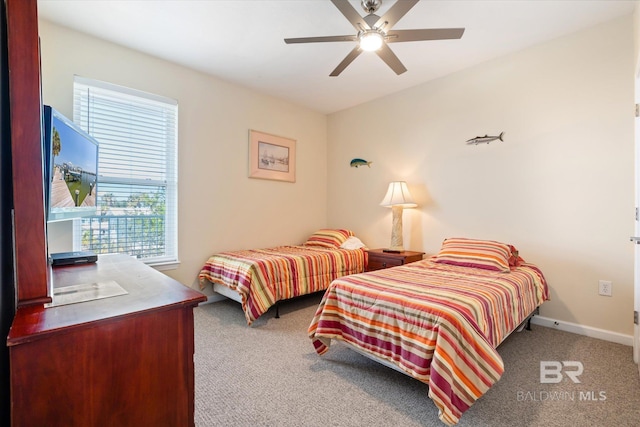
(137, 170)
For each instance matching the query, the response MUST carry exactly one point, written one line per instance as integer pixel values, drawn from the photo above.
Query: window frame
(83, 87)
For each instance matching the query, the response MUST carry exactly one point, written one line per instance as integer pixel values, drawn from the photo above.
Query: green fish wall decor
(359, 162)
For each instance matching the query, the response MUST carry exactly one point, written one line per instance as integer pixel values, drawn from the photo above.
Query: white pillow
(352, 243)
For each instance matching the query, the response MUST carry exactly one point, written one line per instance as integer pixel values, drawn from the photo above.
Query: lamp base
(396, 231)
(393, 251)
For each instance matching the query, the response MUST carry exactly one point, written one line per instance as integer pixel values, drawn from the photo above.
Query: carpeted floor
(269, 375)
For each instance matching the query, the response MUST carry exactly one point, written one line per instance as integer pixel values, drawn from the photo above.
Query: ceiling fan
(374, 32)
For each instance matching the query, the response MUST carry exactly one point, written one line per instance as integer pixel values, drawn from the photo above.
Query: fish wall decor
(359, 162)
(484, 139)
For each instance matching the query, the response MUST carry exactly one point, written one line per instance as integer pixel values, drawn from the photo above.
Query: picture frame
(271, 157)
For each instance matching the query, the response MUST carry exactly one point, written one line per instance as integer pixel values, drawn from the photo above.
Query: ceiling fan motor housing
(371, 20)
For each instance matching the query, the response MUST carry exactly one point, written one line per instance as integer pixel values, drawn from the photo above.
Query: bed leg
(536, 311)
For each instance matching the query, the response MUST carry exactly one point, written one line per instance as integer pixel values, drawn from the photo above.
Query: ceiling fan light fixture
(371, 40)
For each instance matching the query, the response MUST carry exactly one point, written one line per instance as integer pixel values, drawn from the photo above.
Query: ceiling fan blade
(351, 14)
(391, 59)
(395, 36)
(321, 39)
(397, 11)
(346, 61)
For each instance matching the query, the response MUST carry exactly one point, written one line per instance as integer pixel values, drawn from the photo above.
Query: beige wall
(220, 208)
(560, 187)
(636, 35)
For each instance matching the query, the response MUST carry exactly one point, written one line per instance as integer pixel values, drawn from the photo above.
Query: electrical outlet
(605, 288)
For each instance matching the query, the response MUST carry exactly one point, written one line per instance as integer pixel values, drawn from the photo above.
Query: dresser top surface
(147, 290)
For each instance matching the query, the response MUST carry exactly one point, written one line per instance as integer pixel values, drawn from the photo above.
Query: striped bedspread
(438, 323)
(263, 277)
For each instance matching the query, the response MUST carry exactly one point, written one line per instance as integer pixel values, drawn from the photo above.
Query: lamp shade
(398, 195)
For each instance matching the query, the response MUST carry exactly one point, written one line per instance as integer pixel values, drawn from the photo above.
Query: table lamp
(397, 198)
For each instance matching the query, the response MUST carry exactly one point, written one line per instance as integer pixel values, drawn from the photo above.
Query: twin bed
(438, 320)
(259, 278)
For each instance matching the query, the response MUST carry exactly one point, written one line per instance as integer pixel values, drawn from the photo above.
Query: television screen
(71, 168)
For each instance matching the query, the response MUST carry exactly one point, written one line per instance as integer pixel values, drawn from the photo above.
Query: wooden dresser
(125, 360)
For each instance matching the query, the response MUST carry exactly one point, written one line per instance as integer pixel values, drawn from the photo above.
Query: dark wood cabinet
(25, 109)
(378, 259)
(125, 360)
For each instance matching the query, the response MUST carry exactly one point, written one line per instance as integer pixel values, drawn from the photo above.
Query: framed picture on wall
(271, 157)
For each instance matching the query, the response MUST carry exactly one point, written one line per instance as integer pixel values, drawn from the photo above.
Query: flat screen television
(70, 168)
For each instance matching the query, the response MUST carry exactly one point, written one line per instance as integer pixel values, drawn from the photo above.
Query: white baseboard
(583, 330)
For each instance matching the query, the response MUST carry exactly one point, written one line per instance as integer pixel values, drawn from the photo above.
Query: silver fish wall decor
(484, 139)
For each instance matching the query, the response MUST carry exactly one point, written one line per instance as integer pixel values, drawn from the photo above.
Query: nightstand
(379, 259)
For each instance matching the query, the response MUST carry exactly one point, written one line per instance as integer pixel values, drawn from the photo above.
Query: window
(137, 171)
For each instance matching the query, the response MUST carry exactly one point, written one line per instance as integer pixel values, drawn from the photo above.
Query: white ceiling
(241, 41)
